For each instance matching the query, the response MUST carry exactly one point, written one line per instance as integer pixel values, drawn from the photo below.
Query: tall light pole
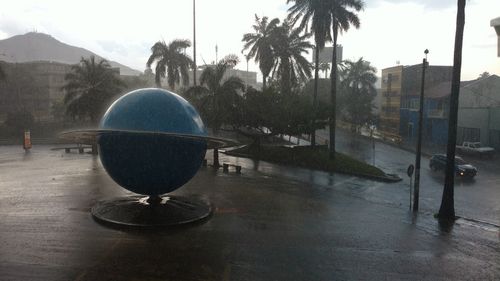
(194, 42)
(419, 140)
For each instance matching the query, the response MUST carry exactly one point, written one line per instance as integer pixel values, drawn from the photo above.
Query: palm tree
(447, 209)
(358, 87)
(359, 76)
(318, 12)
(172, 61)
(259, 44)
(291, 66)
(342, 17)
(324, 66)
(89, 87)
(216, 97)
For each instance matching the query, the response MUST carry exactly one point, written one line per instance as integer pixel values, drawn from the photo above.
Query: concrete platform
(263, 228)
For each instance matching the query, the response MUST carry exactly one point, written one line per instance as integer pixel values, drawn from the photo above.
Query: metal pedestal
(154, 211)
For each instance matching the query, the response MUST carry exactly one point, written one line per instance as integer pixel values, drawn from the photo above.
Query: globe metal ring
(89, 136)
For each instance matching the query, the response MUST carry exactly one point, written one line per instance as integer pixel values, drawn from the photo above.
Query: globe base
(151, 212)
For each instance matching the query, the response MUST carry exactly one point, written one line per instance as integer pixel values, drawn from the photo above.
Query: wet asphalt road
(270, 223)
(477, 199)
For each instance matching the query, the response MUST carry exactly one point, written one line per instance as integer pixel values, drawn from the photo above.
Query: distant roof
(443, 89)
(417, 66)
(479, 80)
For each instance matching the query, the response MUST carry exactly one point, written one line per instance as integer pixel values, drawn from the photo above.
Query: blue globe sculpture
(147, 147)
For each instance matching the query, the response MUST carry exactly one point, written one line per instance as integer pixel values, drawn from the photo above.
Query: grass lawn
(304, 156)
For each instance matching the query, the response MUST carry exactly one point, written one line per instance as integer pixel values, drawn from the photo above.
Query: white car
(475, 148)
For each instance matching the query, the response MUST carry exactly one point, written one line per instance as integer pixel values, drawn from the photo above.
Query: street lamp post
(194, 42)
(372, 129)
(419, 140)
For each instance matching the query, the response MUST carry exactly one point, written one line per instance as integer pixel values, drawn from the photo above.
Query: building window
(414, 104)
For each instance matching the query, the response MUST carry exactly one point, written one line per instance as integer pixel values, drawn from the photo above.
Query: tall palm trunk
(315, 97)
(285, 77)
(333, 93)
(447, 209)
(263, 81)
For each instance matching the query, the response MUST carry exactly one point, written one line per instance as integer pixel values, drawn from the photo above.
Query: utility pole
(419, 140)
(447, 209)
(194, 42)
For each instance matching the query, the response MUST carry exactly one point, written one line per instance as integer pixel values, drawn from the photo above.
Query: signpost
(372, 128)
(410, 170)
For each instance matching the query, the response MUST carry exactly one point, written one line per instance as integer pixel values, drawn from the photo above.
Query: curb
(391, 178)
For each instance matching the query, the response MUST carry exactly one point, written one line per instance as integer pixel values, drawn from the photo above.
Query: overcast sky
(391, 30)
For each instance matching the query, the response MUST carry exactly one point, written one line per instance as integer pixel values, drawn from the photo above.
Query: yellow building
(390, 100)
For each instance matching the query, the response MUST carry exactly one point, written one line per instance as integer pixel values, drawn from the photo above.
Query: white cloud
(124, 30)
(401, 32)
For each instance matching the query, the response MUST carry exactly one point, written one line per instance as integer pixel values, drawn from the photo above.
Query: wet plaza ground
(269, 223)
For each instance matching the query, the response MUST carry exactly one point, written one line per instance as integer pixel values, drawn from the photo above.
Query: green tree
(261, 114)
(338, 15)
(357, 91)
(138, 82)
(89, 87)
(172, 61)
(259, 45)
(447, 209)
(485, 74)
(291, 67)
(316, 11)
(269, 113)
(217, 98)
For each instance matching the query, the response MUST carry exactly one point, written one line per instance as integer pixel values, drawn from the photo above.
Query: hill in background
(34, 46)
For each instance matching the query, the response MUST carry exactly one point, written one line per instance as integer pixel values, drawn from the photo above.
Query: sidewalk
(263, 228)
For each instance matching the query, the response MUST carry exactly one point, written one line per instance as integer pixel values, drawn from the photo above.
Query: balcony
(437, 113)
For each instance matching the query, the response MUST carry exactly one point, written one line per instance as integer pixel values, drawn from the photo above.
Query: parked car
(475, 148)
(462, 168)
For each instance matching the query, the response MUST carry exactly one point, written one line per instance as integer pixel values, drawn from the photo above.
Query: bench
(80, 148)
(225, 168)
